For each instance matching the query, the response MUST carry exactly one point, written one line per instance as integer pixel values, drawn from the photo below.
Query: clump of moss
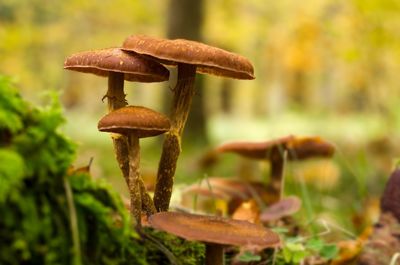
(35, 227)
(51, 214)
(166, 249)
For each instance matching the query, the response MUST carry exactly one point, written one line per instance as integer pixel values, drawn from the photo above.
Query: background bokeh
(323, 67)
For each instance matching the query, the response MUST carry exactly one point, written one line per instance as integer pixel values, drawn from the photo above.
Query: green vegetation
(53, 214)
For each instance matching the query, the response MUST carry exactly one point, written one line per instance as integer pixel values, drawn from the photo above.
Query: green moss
(35, 227)
(37, 189)
(169, 249)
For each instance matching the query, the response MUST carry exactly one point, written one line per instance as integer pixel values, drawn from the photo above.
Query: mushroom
(285, 207)
(118, 66)
(390, 201)
(190, 57)
(215, 232)
(291, 147)
(134, 122)
(233, 191)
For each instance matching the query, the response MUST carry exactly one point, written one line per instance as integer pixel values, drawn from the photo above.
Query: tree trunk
(185, 20)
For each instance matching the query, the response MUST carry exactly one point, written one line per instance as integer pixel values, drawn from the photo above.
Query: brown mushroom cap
(144, 121)
(254, 150)
(101, 62)
(208, 59)
(214, 229)
(285, 207)
(234, 191)
(390, 201)
(307, 147)
(297, 147)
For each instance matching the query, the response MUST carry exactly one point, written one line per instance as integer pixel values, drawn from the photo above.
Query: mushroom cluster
(277, 151)
(135, 122)
(189, 57)
(141, 59)
(118, 66)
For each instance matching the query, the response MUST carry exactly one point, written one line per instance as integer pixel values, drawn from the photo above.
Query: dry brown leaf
(248, 211)
(350, 249)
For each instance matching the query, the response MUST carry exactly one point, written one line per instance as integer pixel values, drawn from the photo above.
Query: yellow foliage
(323, 174)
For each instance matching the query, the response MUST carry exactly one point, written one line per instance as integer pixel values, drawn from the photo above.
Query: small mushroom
(285, 207)
(234, 191)
(291, 147)
(205, 200)
(190, 57)
(134, 122)
(118, 66)
(390, 201)
(215, 232)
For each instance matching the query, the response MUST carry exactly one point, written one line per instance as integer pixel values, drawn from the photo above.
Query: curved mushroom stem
(214, 254)
(183, 93)
(134, 177)
(116, 99)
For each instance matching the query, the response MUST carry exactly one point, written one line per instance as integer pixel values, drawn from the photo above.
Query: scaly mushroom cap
(101, 62)
(298, 148)
(214, 229)
(285, 207)
(208, 59)
(143, 121)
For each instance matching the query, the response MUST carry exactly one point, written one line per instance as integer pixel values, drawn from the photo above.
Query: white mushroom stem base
(134, 177)
(214, 254)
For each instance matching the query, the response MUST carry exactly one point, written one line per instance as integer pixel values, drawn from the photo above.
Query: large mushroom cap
(101, 62)
(213, 229)
(143, 121)
(297, 147)
(208, 59)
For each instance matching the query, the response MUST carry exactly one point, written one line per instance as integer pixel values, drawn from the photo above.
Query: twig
(172, 259)
(395, 258)
(77, 260)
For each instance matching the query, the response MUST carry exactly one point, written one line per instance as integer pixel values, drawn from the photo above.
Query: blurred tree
(185, 20)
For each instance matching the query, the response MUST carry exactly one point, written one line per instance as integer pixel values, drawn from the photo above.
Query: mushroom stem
(122, 155)
(134, 177)
(116, 99)
(276, 177)
(147, 202)
(182, 99)
(115, 93)
(214, 254)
